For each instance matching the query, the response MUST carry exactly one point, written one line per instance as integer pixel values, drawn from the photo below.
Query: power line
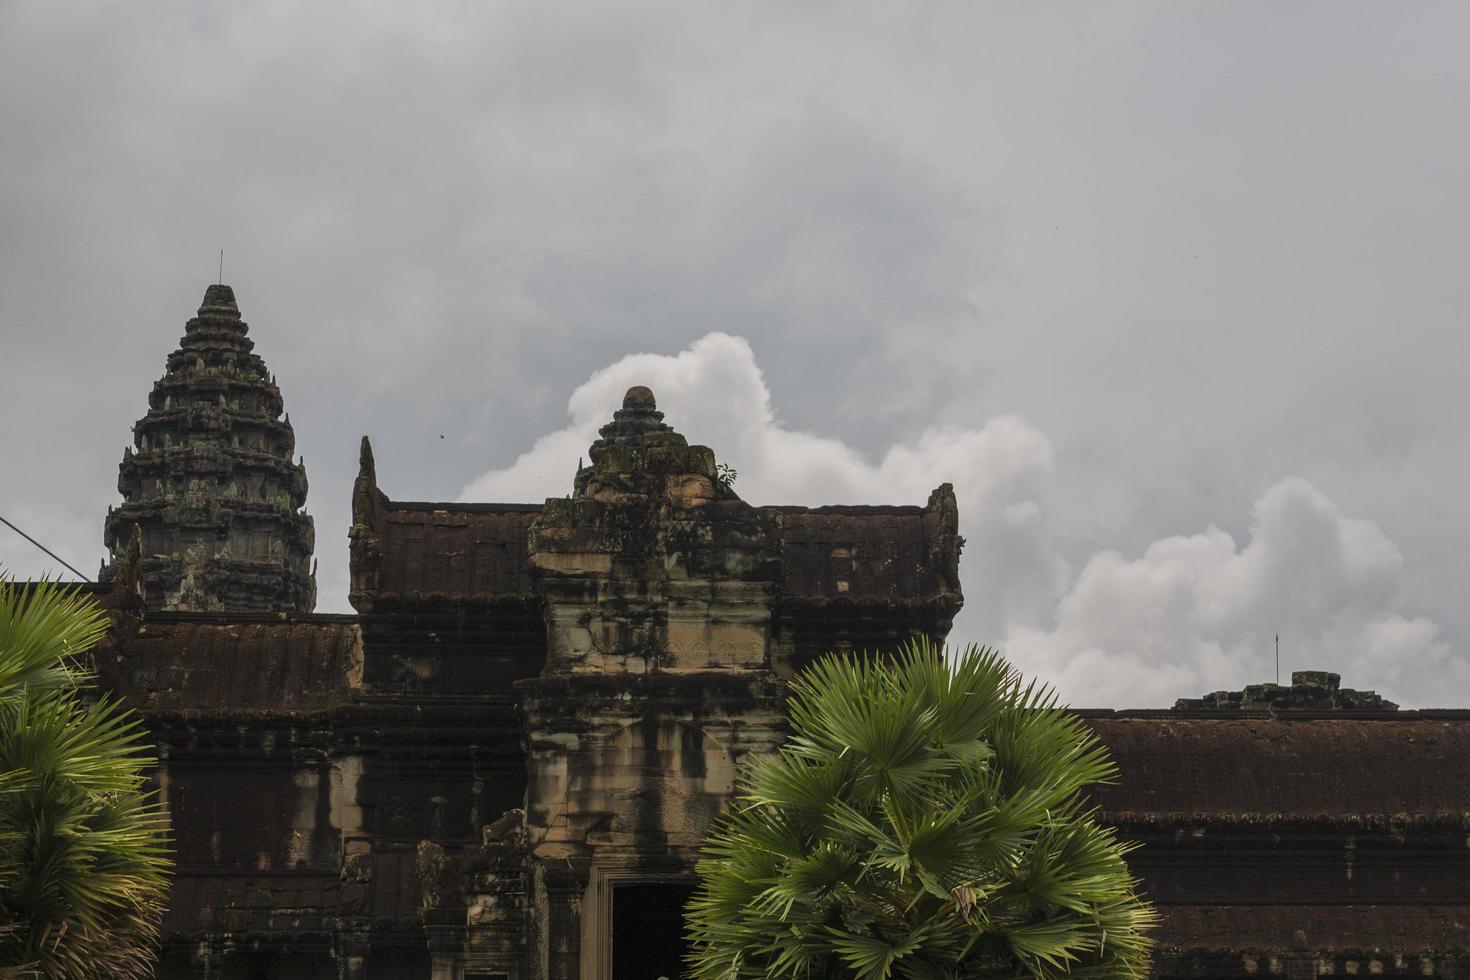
(44, 548)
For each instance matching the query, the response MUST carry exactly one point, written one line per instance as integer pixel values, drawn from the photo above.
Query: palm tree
(83, 846)
(926, 820)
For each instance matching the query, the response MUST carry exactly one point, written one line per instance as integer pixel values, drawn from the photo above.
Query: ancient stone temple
(502, 764)
(210, 482)
(639, 630)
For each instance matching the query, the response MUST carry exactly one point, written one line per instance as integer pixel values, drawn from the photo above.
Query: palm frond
(44, 628)
(84, 857)
(926, 821)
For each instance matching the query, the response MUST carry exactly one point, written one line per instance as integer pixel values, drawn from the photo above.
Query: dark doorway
(399, 963)
(648, 931)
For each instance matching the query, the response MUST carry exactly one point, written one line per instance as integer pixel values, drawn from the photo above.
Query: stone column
(556, 922)
(353, 966)
(205, 961)
(445, 929)
(352, 952)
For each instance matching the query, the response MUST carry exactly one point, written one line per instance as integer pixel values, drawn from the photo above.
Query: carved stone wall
(659, 586)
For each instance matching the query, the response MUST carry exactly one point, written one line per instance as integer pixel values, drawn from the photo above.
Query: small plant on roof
(725, 478)
(926, 821)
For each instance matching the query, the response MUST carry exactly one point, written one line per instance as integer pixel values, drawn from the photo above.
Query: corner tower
(210, 483)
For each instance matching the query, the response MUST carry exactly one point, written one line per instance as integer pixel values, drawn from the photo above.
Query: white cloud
(1190, 614)
(714, 393)
(1192, 279)
(1199, 613)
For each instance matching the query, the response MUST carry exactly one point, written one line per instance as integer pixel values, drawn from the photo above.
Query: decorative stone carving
(211, 483)
(650, 565)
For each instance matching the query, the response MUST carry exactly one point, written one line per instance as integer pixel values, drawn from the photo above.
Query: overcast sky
(1175, 294)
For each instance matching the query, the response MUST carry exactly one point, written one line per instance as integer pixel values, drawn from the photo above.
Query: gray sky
(1174, 293)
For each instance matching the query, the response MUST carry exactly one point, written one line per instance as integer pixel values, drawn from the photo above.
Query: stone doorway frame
(597, 901)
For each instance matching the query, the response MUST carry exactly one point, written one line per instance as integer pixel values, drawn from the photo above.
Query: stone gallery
(503, 764)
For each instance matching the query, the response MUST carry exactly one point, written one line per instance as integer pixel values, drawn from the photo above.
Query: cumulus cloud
(1190, 614)
(441, 219)
(714, 393)
(1198, 613)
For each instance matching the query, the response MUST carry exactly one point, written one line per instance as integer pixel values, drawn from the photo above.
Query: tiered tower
(210, 481)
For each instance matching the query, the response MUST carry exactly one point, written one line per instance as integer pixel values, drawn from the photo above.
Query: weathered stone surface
(662, 592)
(1316, 690)
(210, 481)
(1297, 842)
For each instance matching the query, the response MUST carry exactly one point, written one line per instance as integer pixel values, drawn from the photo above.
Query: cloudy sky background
(1174, 294)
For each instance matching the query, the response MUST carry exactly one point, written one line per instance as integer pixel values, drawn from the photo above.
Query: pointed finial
(218, 299)
(365, 464)
(639, 399)
(365, 492)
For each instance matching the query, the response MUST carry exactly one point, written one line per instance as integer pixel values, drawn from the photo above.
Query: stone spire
(637, 445)
(210, 481)
(651, 565)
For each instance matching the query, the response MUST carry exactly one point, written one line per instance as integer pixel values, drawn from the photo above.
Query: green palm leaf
(83, 844)
(925, 821)
(44, 629)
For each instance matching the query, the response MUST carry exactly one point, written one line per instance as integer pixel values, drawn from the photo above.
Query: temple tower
(674, 613)
(210, 482)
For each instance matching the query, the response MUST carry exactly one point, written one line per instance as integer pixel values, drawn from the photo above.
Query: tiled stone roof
(1315, 767)
(181, 661)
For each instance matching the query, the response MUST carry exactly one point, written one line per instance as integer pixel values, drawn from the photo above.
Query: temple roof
(1406, 764)
(432, 552)
(426, 551)
(863, 553)
(186, 661)
(1360, 928)
(455, 551)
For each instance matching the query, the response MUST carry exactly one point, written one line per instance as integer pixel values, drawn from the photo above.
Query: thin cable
(44, 548)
